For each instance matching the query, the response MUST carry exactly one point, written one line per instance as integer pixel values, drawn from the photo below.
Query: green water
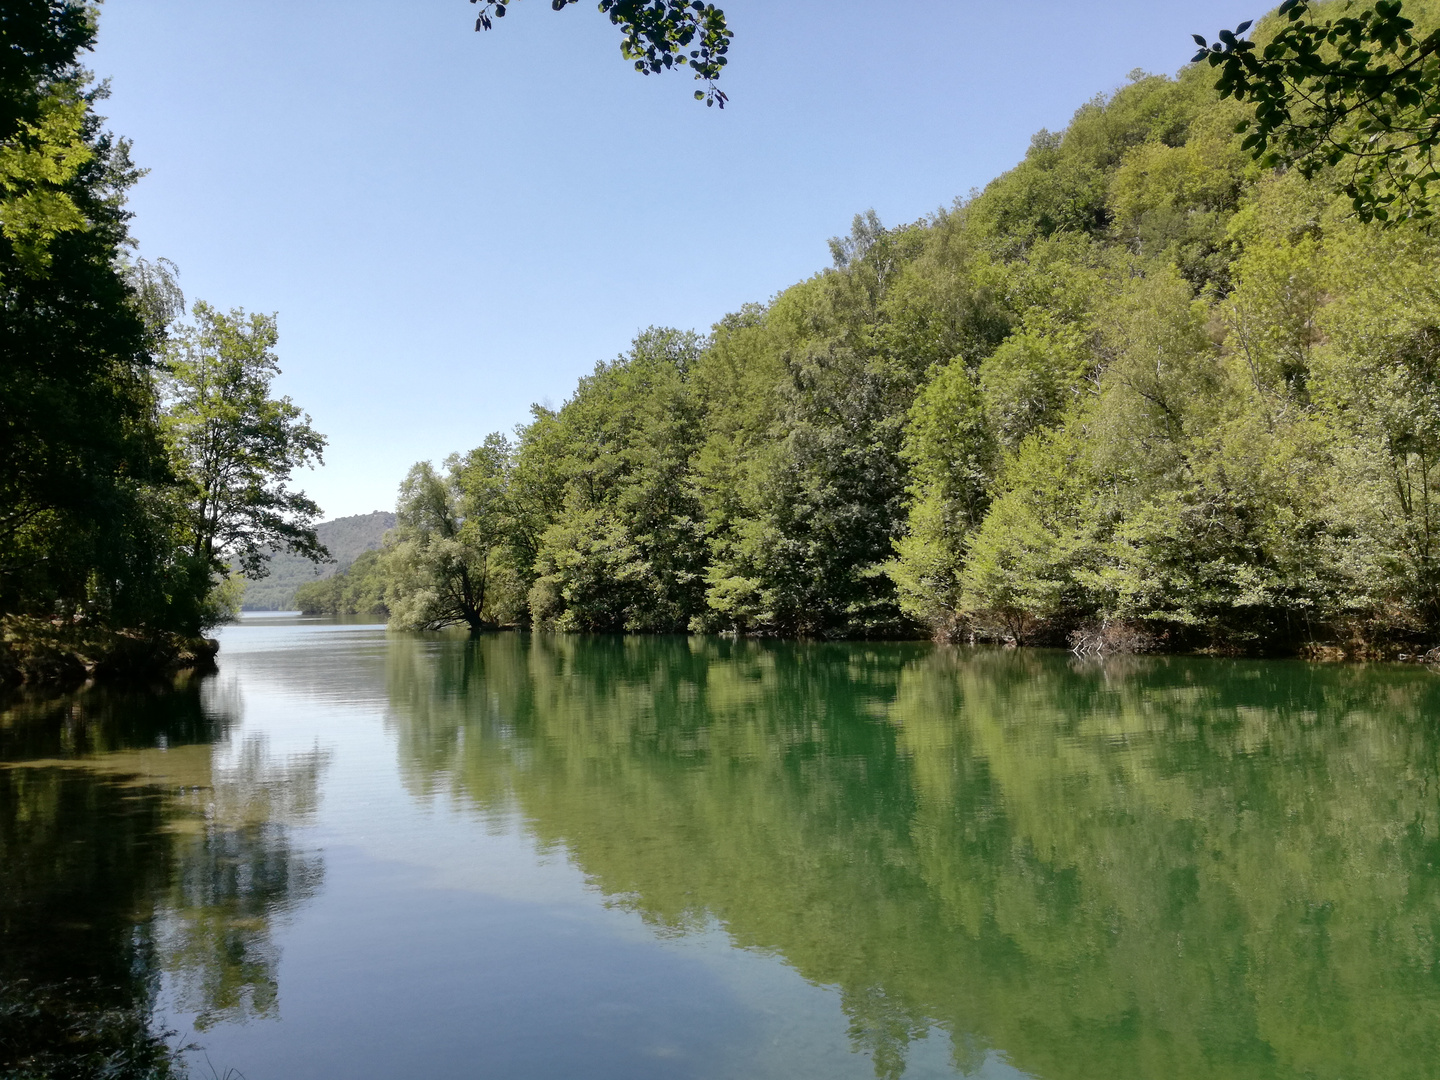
(359, 855)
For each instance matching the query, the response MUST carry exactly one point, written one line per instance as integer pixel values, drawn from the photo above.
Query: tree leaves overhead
(1359, 93)
(658, 35)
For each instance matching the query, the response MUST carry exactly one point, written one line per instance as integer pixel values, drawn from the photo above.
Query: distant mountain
(346, 538)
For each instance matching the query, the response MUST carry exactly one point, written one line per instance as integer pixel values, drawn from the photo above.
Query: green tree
(624, 548)
(1141, 391)
(234, 445)
(951, 451)
(438, 574)
(361, 589)
(84, 525)
(800, 541)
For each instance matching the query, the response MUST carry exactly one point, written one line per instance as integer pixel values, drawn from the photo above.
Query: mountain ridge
(344, 537)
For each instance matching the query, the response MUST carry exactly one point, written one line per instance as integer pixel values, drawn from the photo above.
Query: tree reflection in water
(1156, 867)
(138, 843)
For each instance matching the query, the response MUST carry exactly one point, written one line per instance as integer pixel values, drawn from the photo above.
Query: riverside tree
(1142, 391)
(438, 563)
(82, 526)
(234, 446)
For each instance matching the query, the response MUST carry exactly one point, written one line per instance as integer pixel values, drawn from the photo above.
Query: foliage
(1142, 390)
(360, 590)
(658, 36)
(1359, 92)
(235, 446)
(625, 551)
(439, 567)
(346, 539)
(84, 523)
(115, 520)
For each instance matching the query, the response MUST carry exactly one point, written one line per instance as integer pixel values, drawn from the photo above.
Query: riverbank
(43, 652)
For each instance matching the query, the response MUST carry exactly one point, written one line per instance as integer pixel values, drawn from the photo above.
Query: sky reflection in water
(367, 855)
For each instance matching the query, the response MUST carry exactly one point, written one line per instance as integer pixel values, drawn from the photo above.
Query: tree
(658, 36)
(43, 114)
(234, 446)
(81, 458)
(1360, 93)
(622, 549)
(439, 568)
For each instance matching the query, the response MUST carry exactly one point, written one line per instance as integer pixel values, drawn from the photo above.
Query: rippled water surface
(360, 855)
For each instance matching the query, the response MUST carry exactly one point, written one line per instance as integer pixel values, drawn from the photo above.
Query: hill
(345, 537)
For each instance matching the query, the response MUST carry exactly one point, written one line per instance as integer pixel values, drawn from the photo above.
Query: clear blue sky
(453, 225)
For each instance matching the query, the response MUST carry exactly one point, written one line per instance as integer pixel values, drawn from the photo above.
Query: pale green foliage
(363, 589)
(1378, 377)
(37, 163)
(233, 445)
(1231, 441)
(952, 456)
(1172, 202)
(222, 603)
(438, 565)
(624, 549)
(1021, 565)
(1031, 379)
(1138, 386)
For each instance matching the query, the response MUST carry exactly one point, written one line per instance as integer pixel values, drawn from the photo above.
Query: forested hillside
(345, 538)
(1137, 393)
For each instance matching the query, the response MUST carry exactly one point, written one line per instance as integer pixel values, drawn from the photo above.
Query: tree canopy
(235, 446)
(136, 455)
(1140, 392)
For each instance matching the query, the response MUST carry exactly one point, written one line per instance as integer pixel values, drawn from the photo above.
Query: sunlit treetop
(1359, 93)
(658, 35)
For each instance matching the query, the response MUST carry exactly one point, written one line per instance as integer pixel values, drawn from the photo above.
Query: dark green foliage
(658, 35)
(82, 518)
(1359, 93)
(114, 517)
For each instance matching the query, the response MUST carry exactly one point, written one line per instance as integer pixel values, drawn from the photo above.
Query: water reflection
(1161, 867)
(143, 846)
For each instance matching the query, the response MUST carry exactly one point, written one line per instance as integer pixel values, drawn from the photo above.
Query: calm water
(362, 856)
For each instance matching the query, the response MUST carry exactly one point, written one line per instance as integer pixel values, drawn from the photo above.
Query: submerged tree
(440, 565)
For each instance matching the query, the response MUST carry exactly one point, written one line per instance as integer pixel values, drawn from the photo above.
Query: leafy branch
(1358, 93)
(658, 35)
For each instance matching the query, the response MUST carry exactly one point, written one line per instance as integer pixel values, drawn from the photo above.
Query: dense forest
(1139, 392)
(1143, 391)
(140, 454)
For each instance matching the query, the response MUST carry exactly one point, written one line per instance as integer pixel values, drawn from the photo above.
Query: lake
(360, 855)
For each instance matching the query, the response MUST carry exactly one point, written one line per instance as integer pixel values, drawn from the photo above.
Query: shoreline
(38, 653)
